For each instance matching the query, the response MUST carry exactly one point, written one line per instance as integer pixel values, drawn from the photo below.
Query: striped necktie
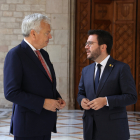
(43, 63)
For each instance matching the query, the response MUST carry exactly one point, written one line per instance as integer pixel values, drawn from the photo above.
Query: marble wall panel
(60, 69)
(65, 6)
(54, 52)
(15, 1)
(2, 1)
(31, 2)
(63, 85)
(54, 6)
(1, 65)
(7, 19)
(4, 7)
(7, 14)
(42, 2)
(58, 21)
(12, 25)
(64, 53)
(18, 14)
(12, 7)
(23, 8)
(38, 8)
(61, 37)
(12, 13)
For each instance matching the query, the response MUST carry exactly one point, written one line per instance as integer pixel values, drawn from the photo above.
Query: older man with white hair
(30, 83)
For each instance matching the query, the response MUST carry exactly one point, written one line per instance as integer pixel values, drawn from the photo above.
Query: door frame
(71, 54)
(137, 50)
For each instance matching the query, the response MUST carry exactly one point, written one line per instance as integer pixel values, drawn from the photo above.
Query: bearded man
(105, 89)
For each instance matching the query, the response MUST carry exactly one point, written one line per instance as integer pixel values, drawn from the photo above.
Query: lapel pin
(110, 65)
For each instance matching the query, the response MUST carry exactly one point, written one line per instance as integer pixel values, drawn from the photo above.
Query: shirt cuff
(107, 102)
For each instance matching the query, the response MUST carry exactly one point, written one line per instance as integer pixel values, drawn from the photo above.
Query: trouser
(47, 137)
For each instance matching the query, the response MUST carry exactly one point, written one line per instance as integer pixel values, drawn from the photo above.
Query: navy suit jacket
(117, 84)
(27, 84)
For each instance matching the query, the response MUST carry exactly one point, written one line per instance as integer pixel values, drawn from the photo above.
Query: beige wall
(11, 14)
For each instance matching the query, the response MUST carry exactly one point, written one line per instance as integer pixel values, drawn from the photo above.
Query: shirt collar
(30, 45)
(103, 63)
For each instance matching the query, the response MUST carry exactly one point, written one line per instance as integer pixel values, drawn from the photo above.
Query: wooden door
(83, 24)
(115, 16)
(138, 57)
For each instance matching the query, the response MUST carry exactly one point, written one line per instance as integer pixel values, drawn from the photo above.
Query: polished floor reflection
(69, 125)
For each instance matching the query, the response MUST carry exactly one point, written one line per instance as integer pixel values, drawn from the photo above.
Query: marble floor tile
(69, 125)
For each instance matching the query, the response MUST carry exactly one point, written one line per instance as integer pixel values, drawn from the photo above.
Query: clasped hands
(95, 104)
(53, 105)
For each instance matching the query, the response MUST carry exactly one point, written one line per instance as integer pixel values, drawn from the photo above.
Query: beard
(94, 54)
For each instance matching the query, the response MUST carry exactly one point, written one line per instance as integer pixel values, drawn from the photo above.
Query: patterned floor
(69, 125)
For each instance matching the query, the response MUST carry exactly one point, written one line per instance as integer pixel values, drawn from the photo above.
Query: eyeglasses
(89, 43)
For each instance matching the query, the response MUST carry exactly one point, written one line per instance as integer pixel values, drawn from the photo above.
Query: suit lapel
(91, 81)
(108, 68)
(48, 63)
(32, 56)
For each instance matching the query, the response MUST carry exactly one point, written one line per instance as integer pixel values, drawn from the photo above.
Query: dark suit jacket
(117, 84)
(27, 84)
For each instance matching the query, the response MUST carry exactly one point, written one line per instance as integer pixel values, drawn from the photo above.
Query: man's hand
(84, 104)
(62, 103)
(51, 104)
(97, 103)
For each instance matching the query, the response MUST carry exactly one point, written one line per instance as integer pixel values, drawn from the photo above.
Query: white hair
(32, 22)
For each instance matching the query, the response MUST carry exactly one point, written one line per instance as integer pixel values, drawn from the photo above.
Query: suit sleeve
(128, 94)
(58, 95)
(13, 85)
(81, 93)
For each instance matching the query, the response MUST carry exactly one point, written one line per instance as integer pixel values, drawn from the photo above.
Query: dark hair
(103, 37)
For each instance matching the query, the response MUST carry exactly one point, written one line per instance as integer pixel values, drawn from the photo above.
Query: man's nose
(50, 36)
(86, 46)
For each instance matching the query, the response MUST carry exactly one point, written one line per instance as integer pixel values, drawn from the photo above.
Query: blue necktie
(97, 77)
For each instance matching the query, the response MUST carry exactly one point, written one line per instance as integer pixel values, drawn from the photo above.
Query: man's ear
(103, 47)
(33, 34)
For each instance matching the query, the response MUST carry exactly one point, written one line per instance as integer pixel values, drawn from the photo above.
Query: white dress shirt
(36, 54)
(103, 63)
